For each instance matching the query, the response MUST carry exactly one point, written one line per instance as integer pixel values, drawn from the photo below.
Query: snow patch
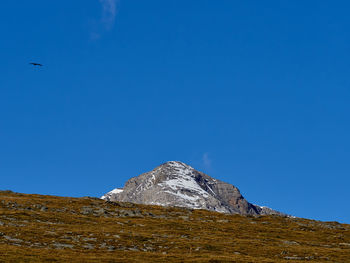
(114, 191)
(183, 196)
(183, 178)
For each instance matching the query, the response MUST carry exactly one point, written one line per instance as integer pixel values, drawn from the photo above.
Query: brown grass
(33, 228)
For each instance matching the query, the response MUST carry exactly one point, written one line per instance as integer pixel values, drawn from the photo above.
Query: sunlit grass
(57, 229)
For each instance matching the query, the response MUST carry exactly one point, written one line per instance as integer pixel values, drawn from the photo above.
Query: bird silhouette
(35, 64)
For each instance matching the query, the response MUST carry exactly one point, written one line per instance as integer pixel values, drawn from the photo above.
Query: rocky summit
(178, 184)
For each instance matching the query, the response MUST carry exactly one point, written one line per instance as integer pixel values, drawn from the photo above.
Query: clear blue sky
(255, 93)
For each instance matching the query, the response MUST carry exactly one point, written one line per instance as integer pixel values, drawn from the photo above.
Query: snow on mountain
(114, 191)
(178, 184)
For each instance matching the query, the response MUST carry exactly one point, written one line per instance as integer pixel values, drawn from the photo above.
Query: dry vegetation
(36, 228)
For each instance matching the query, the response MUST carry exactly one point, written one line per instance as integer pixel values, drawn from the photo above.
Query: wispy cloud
(206, 160)
(109, 8)
(107, 20)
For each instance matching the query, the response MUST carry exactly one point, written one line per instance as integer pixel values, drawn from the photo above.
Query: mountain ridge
(175, 183)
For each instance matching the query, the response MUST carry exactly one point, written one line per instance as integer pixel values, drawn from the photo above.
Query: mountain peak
(177, 164)
(175, 183)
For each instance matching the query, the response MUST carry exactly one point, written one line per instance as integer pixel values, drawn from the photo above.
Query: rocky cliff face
(178, 184)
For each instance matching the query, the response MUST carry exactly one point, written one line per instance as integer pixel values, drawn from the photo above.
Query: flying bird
(35, 64)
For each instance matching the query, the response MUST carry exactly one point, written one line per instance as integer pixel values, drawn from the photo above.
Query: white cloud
(109, 8)
(206, 160)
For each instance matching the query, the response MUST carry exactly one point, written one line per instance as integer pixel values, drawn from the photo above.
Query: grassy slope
(47, 228)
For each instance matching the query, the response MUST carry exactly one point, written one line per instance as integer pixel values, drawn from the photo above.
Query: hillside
(35, 228)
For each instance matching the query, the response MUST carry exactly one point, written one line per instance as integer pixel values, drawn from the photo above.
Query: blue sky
(255, 93)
